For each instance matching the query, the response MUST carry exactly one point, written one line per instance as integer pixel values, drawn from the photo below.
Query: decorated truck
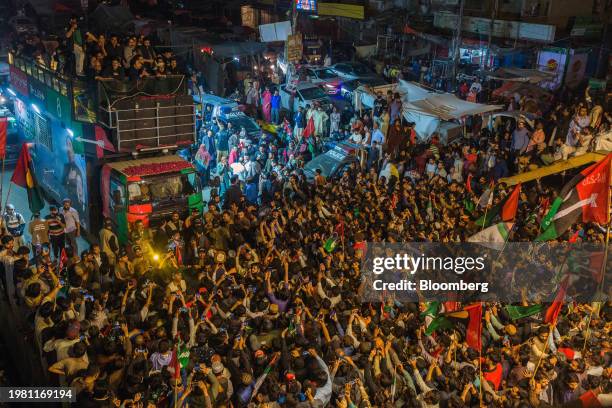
(108, 145)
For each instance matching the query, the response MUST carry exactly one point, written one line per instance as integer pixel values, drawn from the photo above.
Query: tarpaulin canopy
(427, 109)
(532, 76)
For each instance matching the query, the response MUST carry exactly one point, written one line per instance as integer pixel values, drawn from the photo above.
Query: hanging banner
(59, 106)
(576, 68)
(552, 61)
(295, 48)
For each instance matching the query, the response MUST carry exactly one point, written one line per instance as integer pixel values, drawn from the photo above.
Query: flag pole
(480, 374)
(2, 182)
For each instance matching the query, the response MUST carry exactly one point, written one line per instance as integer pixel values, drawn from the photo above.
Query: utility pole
(457, 44)
(485, 59)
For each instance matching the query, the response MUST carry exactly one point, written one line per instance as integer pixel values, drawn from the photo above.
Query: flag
(586, 195)
(309, 129)
(473, 336)
(552, 313)
(506, 209)
(24, 176)
(103, 142)
(438, 323)
(3, 135)
(468, 183)
(497, 233)
(575, 236)
(518, 312)
(176, 365)
(63, 260)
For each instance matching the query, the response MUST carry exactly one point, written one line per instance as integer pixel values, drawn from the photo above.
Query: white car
(302, 94)
(322, 76)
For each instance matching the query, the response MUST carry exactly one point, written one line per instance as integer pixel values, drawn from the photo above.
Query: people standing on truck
(75, 41)
(73, 225)
(39, 231)
(275, 106)
(56, 225)
(148, 52)
(114, 50)
(114, 71)
(14, 224)
(109, 244)
(129, 52)
(320, 118)
(137, 70)
(266, 104)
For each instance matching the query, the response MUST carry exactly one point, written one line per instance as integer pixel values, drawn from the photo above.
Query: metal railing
(121, 125)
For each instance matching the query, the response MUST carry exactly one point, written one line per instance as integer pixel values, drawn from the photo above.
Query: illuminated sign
(309, 6)
(19, 81)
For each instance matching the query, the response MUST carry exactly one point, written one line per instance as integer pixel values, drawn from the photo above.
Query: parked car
(322, 76)
(352, 70)
(332, 163)
(302, 94)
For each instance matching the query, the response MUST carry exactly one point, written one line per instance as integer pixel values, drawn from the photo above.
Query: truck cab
(301, 94)
(226, 110)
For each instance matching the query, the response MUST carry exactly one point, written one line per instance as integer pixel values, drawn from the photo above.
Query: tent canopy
(532, 76)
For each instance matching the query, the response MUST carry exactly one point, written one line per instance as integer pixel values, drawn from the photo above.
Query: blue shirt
(275, 102)
(520, 139)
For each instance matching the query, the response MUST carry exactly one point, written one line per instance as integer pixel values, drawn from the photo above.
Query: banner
(84, 105)
(576, 68)
(19, 81)
(3, 135)
(294, 47)
(59, 106)
(38, 93)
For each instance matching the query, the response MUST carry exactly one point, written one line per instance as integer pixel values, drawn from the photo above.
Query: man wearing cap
(73, 224)
(39, 230)
(14, 224)
(109, 244)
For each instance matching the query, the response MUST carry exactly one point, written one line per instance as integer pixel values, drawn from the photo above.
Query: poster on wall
(552, 61)
(24, 119)
(294, 47)
(576, 69)
(19, 81)
(309, 6)
(84, 105)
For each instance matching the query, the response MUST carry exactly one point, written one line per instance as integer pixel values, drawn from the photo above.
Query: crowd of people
(255, 303)
(81, 53)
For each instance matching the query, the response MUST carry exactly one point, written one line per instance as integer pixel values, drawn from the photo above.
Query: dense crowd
(257, 301)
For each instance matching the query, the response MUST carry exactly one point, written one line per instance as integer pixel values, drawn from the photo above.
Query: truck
(108, 145)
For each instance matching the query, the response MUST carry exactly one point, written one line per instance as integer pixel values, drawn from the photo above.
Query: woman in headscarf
(202, 162)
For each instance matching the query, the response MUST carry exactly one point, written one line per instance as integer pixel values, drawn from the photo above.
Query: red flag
(574, 237)
(468, 183)
(552, 313)
(176, 364)
(310, 128)
(410, 30)
(21, 174)
(508, 211)
(104, 143)
(473, 337)
(595, 188)
(3, 134)
(589, 400)
(63, 260)
(340, 229)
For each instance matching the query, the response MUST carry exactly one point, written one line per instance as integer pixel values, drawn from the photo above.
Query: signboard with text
(19, 81)
(295, 48)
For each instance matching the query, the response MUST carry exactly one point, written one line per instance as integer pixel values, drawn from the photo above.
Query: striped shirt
(55, 223)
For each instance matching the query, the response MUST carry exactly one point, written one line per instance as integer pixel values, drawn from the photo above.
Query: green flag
(440, 322)
(518, 312)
